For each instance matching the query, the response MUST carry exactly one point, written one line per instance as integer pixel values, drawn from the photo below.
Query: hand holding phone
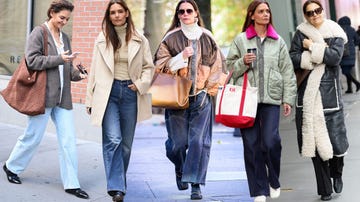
(74, 54)
(81, 68)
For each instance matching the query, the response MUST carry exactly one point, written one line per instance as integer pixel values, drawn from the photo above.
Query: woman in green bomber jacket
(272, 72)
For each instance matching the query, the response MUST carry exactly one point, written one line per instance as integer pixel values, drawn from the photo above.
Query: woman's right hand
(249, 58)
(66, 57)
(188, 52)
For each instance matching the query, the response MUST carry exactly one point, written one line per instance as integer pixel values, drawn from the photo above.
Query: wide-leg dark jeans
(189, 138)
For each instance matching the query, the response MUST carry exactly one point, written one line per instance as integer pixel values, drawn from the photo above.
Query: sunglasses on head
(182, 11)
(312, 13)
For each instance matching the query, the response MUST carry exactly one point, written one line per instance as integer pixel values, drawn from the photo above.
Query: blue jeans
(262, 150)
(118, 129)
(189, 138)
(27, 144)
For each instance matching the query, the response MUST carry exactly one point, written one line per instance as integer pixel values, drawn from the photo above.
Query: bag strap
(229, 77)
(244, 87)
(45, 35)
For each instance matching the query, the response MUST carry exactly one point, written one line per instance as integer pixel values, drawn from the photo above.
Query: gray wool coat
(50, 63)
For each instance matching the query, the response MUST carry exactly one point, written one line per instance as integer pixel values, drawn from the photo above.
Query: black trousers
(325, 170)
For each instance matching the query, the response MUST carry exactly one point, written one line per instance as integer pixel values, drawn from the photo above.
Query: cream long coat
(141, 70)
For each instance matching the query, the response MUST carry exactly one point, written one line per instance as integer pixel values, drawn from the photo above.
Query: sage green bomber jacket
(273, 74)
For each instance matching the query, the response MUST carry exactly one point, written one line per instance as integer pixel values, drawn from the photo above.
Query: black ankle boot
(195, 192)
(338, 185)
(181, 185)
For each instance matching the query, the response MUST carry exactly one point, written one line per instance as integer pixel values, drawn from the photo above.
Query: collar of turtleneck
(120, 30)
(192, 31)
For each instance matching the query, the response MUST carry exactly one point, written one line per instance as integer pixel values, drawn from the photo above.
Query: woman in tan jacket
(121, 73)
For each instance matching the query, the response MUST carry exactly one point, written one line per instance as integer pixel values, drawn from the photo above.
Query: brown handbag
(170, 91)
(26, 89)
(301, 75)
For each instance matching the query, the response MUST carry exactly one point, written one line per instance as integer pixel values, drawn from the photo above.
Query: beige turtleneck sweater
(121, 56)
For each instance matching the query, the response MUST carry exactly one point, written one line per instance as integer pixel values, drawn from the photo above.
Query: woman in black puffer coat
(348, 59)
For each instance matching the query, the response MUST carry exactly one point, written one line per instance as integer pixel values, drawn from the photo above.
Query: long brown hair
(109, 29)
(250, 11)
(176, 21)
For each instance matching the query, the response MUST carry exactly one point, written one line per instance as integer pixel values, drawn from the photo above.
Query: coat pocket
(329, 95)
(275, 84)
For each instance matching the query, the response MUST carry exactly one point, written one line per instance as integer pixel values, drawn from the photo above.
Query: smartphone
(74, 54)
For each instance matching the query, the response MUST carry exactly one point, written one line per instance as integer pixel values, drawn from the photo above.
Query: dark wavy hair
(59, 5)
(250, 11)
(310, 2)
(109, 29)
(176, 21)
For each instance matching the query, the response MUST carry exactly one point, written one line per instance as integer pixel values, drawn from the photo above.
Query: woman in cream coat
(121, 73)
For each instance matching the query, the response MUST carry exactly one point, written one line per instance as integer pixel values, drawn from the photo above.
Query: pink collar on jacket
(251, 33)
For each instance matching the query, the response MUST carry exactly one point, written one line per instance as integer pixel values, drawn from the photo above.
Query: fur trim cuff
(317, 55)
(306, 61)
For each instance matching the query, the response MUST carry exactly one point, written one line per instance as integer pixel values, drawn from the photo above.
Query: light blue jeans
(27, 144)
(118, 129)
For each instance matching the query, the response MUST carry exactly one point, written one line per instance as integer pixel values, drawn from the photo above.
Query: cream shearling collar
(328, 29)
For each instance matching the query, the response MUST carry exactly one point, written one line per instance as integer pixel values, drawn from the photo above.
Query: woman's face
(60, 19)
(118, 15)
(187, 13)
(261, 15)
(314, 14)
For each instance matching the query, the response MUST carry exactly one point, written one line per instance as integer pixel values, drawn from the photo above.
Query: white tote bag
(236, 106)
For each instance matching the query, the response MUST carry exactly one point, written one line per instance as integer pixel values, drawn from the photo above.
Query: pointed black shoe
(12, 177)
(195, 192)
(181, 185)
(78, 193)
(338, 185)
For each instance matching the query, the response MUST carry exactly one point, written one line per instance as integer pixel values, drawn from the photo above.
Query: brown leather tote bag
(26, 89)
(170, 91)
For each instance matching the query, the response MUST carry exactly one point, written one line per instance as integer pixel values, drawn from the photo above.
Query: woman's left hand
(287, 109)
(83, 76)
(132, 87)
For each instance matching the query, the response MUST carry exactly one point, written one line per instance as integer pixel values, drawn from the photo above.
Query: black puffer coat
(330, 90)
(353, 40)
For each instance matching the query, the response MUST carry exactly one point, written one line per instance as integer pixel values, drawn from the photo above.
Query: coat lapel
(133, 49)
(107, 54)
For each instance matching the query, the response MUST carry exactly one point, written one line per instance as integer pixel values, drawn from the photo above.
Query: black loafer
(12, 177)
(326, 197)
(181, 185)
(78, 193)
(118, 197)
(195, 192)
(338, 185)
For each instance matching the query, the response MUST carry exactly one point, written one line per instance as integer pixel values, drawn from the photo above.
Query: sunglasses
(182, 11)
(312, 13)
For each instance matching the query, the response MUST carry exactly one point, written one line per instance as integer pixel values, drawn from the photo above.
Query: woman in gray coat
(58, 103)
(316, 51)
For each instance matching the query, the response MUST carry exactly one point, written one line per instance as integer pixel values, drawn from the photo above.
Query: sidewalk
(151, 175)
